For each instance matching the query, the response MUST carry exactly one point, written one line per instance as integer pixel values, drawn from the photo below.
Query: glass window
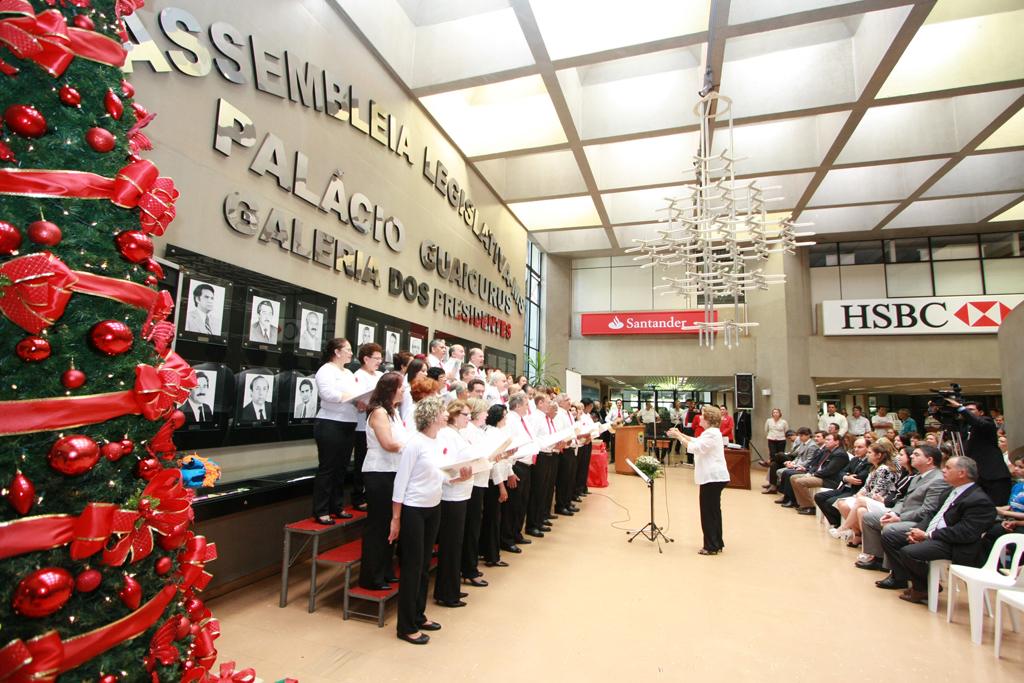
(531, 333)
(1002, 244)
(951, 247)
(956, 278)
(823, 255)
(908, 279)
(858, 253)
(909, 250)
(1004, 276)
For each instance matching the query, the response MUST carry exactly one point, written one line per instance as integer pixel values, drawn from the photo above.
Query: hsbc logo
(918, 315)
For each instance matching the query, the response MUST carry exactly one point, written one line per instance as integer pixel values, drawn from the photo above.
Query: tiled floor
(783, 603)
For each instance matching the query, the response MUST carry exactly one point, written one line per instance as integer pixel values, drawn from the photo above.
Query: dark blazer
(190, 417)
(741, 430)
(858, 467)
(967, 520)
(249, 412)
(981, 443)
(829, 467)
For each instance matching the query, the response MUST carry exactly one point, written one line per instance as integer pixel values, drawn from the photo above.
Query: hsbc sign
(641, 322)
(918, 315)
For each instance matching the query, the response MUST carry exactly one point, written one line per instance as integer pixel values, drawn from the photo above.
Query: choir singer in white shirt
(710, 473)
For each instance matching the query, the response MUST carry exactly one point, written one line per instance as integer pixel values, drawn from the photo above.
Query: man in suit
(258, 409)
(798, 467)
(309, 338)
(824, 474)
(201, 317)
(742, 429)
(851, 479)
(981, 443)
(925, 493)
(306, 407)
(197, 408)
(954, 533)
(264, 330)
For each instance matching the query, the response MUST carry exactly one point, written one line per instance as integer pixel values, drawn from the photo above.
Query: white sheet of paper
(355, 398)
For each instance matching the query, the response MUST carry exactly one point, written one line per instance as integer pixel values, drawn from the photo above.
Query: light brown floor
(783, 603)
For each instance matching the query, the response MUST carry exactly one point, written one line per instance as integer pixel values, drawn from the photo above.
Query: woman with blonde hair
(710, 473)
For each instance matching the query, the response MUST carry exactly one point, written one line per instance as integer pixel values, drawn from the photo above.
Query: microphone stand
(651, 531)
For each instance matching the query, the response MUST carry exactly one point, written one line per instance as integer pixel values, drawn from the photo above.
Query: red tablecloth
(598, 475)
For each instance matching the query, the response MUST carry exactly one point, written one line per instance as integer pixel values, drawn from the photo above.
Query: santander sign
(641, 322)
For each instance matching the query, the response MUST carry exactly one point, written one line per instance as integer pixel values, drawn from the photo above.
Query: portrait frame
(302, 342)
(415, 344)
(392, 343)
(366, 333)
(190, 322)
(298, 381)
(245, 413)
(255, 302)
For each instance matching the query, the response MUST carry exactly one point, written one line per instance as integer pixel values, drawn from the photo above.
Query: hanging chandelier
(719, 234)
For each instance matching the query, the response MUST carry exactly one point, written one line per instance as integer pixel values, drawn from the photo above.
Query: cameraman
(981, 443)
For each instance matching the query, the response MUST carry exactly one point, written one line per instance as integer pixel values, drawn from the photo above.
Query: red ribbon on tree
(165, 508)
(47, 40)
(137, 185)
(156, 392)
(122, 9)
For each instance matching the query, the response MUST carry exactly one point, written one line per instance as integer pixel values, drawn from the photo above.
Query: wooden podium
(629, 443)
(738, 462)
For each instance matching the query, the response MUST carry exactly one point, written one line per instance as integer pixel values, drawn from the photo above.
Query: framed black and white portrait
(415, 345)
(257, 389)
(305, 402)
(204, 302)
(199, 406)
(366, 332)
(263, 314)
(392, 342)
(312, 320)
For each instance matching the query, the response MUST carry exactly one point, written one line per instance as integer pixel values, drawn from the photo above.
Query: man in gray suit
(925, 493)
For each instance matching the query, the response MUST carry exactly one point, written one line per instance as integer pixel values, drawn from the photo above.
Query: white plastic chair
(980, 580)
(1012, 600)
(937, 570)
(817, 510)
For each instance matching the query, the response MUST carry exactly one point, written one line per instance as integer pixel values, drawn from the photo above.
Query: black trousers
(565, 483)
(688, 431)
(997, 490)
(449, 549)
(359, 448)
(609, 441)
(333, 450)
(776, 461)
(583, 468)
(551, 483)
(776, 447)
(418, 533)
(539, 504)
(911, 561)
(378, 555)
(513, 510)
(471, 537)
(785, 487)
(711, 514)
(490, 531)
(826, 502)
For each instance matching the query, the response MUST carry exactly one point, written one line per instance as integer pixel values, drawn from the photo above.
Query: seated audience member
(812, 452)
(794, 445)
(1011, 515)
(955, 533)
(851, 479)
(881, 482)
(824, 473)
(924, 494)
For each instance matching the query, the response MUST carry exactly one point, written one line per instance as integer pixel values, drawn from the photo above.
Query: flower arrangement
(649, 465)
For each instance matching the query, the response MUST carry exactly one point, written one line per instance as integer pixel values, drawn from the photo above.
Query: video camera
(940, 408)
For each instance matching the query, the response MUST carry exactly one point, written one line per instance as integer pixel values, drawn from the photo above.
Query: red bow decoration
(47, 40)
(137, 140)
(159, 390)
(161, 646)
(35, 660)
(34, 290)
(229, 675)
(160, 308)
(162, 443)
(122, 9)
(192, 563)
(139, 185)
(165, 507)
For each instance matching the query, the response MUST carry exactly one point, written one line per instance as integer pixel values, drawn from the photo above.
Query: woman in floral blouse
(882, 481)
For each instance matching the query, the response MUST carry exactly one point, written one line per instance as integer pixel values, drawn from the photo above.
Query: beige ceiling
(902, 386)
(874, 118)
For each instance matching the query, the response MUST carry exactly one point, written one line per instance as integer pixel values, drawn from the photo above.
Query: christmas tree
(99, 570)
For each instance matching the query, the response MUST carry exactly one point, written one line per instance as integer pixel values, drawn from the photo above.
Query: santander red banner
(641, 322)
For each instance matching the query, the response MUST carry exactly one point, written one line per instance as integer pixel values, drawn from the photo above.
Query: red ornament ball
(194, 608)
(177, 419)
(111, 337)
(140, 111)
(72, 378)
(43, 592)
(148, 468)
(182, 627)
(112, 104)
(100, 139)
(112, 451)
(127, 89)
(21, 493)
(172, 541)
(10, 238)
(25, 120)
(150, 281)
(130, 593)
(155, 268)
(108, 678)
(84, 22)
(88, 581)
(45, 233)
(127, 445)
(69, 96)
(135, 245)
(74, 454)
(163, 565)
(33, 349)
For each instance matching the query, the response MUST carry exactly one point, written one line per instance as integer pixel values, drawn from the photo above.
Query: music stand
(651, 531)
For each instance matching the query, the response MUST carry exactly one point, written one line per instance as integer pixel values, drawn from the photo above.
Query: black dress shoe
(780, 501)
(477, 582)
(805, 511)
(499, 563)
(422, 639)
(325, 521)
(788, 505)
(546, 527)
(450, 603)
(432, 626)
(462, 594)
(536, 533)
(376, 587)
(567, 513)
(550, 517)
(889, 583)
(574, 508)
(391, 579)
(577, 499)
(873, 565)
(342, 515)
(523, 541)
(512, 549)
